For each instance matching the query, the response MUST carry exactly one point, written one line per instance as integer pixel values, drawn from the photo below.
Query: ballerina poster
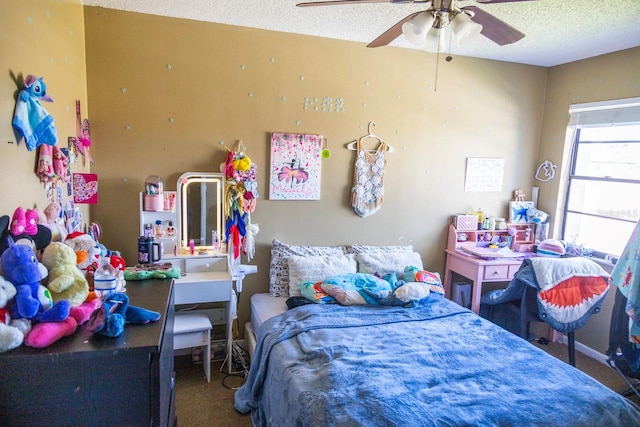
(295, 166)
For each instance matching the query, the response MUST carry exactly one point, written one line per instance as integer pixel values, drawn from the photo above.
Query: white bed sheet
(263, 307)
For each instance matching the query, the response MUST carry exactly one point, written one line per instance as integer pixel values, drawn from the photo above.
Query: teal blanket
(434, 365)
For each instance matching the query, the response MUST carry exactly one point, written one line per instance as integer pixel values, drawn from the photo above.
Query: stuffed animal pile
(46, 280)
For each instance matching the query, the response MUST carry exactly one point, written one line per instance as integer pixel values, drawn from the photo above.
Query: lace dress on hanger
(368, 189)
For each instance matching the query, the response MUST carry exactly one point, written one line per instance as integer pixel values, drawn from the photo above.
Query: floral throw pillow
(279, 266)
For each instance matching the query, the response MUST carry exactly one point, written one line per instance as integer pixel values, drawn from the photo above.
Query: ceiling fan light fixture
(463, 28)
(435, 40)
(417, 28)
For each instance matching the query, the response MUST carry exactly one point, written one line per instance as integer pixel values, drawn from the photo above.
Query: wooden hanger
(354, 144)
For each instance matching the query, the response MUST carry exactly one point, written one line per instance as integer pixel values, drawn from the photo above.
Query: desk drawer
(201, 292)
(194, 265)
(496, 272)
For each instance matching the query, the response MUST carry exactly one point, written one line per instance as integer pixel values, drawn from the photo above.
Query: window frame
(573, 179)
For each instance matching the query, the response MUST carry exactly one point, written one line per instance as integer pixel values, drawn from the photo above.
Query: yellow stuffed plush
(65, 280)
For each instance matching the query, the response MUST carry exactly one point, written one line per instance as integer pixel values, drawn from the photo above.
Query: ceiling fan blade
(493, 28)
(392, 33)
(335, 2)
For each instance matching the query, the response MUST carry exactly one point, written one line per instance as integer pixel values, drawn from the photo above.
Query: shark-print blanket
(570, 290)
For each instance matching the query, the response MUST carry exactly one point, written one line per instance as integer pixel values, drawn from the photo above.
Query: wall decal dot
(297, 122)
(242, 67)
(29, 20)
(424, 109)
(169, 66)
(361, 126)
(125, 179)
(600, 81)
(364, 104)
(636, 86)
(127, 127)
(430, 87)
(123, 89)
(366, 82)
(272, 60)
(455, 108)
(315, 98)
(171, 120)
(250, 94)
(53, 61)
(71, 33)
(221, 143)
(476, 93)
(301, 77)
(66, 58)
(316, 108)
(47, 14)
(398, 96)
(284, 98)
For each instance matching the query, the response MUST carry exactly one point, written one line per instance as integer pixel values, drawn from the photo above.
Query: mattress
(263, 308)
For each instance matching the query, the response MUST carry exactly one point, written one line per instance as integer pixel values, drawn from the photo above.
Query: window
(603, 198)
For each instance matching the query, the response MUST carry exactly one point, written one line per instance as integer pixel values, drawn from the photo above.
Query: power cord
(240, 363)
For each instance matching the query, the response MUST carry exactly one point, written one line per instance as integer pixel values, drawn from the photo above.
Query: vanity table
(207, 279)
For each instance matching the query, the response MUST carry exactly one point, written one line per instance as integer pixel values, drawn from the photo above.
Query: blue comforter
(434, 365)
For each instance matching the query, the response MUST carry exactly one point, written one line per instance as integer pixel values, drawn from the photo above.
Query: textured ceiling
(557, 31)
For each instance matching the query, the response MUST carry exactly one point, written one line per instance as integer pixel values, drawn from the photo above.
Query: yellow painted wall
(612, 76)
(44, 38)
(165, 91)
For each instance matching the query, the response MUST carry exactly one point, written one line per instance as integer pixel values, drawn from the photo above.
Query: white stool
(194, 330)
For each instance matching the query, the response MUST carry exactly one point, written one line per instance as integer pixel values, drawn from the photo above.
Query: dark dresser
(91, 380)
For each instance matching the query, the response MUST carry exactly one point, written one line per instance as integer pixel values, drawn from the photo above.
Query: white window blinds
(619, 112)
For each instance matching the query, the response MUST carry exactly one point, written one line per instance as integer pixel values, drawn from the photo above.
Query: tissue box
(465, 222)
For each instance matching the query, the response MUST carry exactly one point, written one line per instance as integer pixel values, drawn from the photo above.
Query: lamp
(417, 28)
(435, 40)
(427, 28)
(463, 28)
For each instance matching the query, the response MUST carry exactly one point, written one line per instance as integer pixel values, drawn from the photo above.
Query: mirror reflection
(200, 200)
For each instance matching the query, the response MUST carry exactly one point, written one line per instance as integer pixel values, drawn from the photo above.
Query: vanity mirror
(201, 207)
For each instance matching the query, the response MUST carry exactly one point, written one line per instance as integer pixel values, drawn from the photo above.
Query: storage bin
(461, 294)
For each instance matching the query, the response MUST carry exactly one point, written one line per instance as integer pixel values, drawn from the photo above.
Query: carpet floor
(199, 403)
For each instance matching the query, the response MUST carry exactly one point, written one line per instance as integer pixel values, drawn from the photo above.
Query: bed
(432, 364)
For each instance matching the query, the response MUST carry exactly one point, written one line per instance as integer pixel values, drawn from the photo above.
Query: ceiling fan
(424, 28)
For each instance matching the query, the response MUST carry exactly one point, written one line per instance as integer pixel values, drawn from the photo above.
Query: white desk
(208, 286)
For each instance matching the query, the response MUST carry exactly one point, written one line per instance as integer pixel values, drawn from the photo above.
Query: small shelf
(523, 238)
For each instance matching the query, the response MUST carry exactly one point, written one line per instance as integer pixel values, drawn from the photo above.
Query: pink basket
(466, 222)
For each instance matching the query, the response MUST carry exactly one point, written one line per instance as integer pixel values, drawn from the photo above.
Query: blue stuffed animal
(21, 267)
(31, 119)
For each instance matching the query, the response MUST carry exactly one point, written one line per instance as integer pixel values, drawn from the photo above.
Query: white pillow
(317, 268)
(384, 263)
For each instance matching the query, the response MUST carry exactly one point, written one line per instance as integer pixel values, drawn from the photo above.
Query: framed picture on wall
(295, 166)
(518, 211)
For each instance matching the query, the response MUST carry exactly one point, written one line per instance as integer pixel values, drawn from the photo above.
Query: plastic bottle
(158, 231)
(192, 246)
(480, 215)
(104, 279)
(215, 241)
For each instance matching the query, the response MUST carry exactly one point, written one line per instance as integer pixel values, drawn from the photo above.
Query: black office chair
(623, 355)
(526, 298)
